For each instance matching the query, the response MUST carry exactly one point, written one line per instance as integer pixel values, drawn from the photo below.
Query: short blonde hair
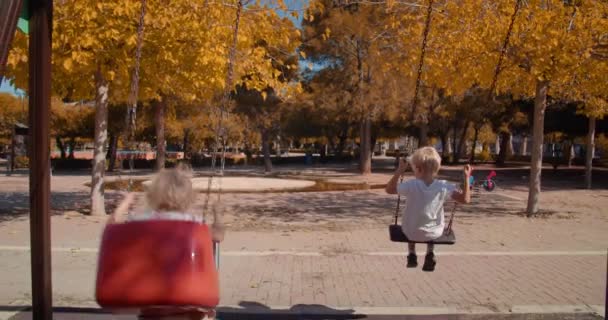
(171, 190)
(426, 159)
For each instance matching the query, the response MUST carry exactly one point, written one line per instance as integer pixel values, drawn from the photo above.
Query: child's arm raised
(122, 209)
(391, 186)
(464, 195)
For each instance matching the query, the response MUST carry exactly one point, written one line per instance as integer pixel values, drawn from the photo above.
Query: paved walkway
(328, 254)
(298, 314)
(462, 283)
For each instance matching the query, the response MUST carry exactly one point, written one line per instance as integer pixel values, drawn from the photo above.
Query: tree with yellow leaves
(267, 77)
(550, 40)
(588, 87)
(443, 46)
(352, 37)
(70, 123)
(91, 46)
(184, 60)
(12, 110)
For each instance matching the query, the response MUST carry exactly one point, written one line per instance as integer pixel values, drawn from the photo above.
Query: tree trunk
(509, 145)
(266, 151)
(248, 154)
(61, 147)
(323, 153)
(455, 145)
(341, 144)
(590, 152)
(540, 104)
(462, 142)
(186, 146)
(423, 136)
(524, 146)
(13, 152)
(159, 121)
(475, 138)
(372, 144)
(444, 144)
(101, 138)
(504, 148)
(570, 154)
(331, 145)
(365, 156)
(277, 147)
(448, 146)
(497, 145)
(112, 152)
(72, 145)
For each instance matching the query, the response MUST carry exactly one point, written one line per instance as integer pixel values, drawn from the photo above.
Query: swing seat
(156, 265)
(397, 235)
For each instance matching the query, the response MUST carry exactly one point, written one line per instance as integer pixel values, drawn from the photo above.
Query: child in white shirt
(423, 218)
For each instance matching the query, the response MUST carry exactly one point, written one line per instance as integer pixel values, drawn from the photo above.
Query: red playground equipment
(157, 266)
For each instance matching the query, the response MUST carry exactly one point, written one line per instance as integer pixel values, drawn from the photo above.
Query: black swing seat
(397, 235)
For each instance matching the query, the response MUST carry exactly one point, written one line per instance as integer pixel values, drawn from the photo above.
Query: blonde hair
(427, 160)
(171, 190)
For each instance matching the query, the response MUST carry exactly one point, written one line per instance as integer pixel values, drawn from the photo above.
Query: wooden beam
(9, 14)
(40, 26)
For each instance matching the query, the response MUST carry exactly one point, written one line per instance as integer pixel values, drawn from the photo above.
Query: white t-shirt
(423, 218)
(169, 215)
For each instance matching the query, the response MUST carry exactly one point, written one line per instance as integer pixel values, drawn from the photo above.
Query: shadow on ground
(15, 205)
(347, 210)
(336, 210)
(257, 311)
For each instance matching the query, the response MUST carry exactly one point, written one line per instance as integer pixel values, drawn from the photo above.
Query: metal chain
(133, 93)
(398, 203)
(448, 230)
(222, 166)
(219, 134)
(427, 27)
(503, 51)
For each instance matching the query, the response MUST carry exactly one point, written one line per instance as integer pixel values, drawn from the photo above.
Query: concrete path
(462, 283)
(327, 256)
(228, 314)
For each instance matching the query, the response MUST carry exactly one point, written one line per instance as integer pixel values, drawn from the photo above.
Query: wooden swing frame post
(40, 26)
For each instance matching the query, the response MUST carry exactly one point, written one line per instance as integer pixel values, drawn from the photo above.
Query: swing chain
(427, 28)
(448, 230)
(398, 203)
(131, 165)
(132, 103)
(503, 50)
(219, 134)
